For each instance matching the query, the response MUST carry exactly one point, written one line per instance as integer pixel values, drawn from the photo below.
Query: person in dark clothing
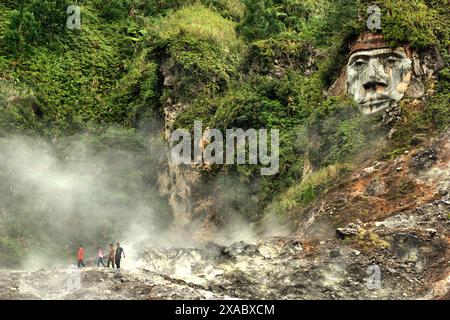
(119, 253)
(110, 261)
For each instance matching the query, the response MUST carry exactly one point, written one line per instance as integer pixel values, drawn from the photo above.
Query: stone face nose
(375, 75)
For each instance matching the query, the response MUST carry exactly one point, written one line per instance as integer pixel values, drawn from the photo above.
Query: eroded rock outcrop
(397, 211)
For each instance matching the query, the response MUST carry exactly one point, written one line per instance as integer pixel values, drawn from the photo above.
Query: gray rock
(349, 231)
(424, 159)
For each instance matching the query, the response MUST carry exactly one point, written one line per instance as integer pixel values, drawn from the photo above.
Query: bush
(303, 193)
(200, 68)
(11, 252)
(412, 22)
(23, 31)
(160, 7)
(19, 109)
(267, 18)
(261, 20)
(113, 9)
(231, 9)
(199, 22)
(288, 49)
(136, 98)
(36, 21)
(199, 50)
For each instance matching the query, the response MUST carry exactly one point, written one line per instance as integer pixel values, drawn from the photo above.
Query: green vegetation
(33, 22)
(367, 240)
(306, 191)
(415, 22)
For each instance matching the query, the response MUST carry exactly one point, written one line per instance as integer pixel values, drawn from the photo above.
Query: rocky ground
(276, 268)
(397, 215)
(381, 234)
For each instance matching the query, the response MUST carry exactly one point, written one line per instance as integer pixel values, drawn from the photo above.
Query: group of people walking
(114, 256)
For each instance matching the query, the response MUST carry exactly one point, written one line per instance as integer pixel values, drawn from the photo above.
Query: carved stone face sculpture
(377, 77)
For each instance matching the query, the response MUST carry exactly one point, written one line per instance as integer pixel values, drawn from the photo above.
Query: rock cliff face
(381, 189)
(183, 184)
(175, 181)
(195, 202)
(395, 212)
(180, 183)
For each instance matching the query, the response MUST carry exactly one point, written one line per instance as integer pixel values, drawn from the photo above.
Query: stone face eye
(359, 64)
(391, 61)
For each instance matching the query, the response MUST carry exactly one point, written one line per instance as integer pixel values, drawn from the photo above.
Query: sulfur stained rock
(376, 187)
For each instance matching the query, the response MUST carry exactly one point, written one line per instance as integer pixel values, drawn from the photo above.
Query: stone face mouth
(373, 102)
(373, 106)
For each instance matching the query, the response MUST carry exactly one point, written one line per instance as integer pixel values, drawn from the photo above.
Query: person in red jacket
(80, 256)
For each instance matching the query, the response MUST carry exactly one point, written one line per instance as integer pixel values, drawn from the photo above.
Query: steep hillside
(86, 118)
